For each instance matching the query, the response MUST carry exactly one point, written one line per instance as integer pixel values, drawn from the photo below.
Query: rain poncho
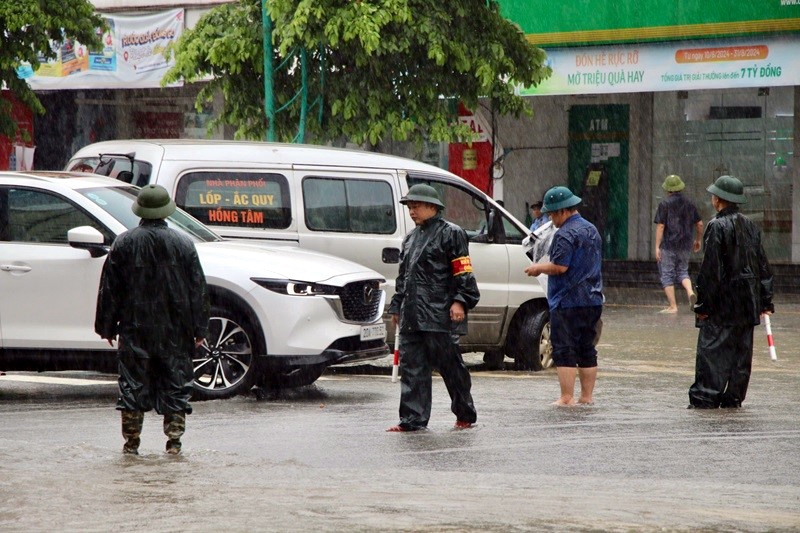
(435, 271)
(426, 284)
(153, 295)
(734, 286)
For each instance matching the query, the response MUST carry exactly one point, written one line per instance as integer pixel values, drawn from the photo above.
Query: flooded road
(318, 458)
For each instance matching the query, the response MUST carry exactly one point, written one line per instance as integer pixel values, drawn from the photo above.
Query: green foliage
(391, 67)
(26, 28)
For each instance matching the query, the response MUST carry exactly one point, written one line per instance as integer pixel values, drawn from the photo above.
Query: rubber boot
(132, 422)
(174, 428)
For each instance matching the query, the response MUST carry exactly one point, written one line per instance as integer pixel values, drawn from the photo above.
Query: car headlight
(297, 288)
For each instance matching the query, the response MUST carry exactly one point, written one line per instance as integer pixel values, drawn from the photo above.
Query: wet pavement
(318, 458)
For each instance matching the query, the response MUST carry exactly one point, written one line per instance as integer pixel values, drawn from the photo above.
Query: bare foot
(588, 401)
(669, 311)
(562, 402)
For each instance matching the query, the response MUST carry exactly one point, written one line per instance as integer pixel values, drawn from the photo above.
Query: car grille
(361, 301)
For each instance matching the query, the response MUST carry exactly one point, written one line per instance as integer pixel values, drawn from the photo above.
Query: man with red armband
(435, 289)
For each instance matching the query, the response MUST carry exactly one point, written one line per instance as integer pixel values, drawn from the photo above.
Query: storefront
(115, 92)
(684, 87)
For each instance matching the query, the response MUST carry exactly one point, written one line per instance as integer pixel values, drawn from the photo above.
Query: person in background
(734, 289)
(435, 288)
(153, 298)
(678, 232)
(574, 294)
(538, 218)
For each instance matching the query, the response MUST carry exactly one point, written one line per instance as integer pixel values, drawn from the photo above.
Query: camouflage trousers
(132, 422)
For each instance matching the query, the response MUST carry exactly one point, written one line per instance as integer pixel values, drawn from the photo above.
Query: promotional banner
(602, 22)
(674, 66)
(131, 56)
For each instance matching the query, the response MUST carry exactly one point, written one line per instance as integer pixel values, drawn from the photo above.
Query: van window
(135, 172)
(461, 207)
(349, 205)
(236, 199)
(469, 211)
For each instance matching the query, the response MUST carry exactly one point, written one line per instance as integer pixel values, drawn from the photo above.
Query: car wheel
(290, 378)
(225, 364)
(533, 350)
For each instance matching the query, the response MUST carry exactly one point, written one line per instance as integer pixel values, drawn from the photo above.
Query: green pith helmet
(422, 193)
(559, 198)
(673, 183)
(153, 202)
(728, 188)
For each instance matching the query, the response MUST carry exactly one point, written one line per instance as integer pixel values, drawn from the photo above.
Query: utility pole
(269, 95)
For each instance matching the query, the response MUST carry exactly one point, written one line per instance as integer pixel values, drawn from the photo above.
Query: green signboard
(585, 22)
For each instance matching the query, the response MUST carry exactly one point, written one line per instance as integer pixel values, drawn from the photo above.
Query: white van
(344, 202)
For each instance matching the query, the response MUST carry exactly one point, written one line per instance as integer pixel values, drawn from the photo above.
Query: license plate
(375, 331)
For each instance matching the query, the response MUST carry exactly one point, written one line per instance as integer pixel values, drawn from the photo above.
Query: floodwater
(319, 459)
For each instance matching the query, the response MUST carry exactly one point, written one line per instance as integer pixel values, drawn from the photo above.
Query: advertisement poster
(674, 66)
(131, 56)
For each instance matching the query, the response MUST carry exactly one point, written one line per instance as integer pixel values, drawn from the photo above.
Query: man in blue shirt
(539, 218)
(574, 294)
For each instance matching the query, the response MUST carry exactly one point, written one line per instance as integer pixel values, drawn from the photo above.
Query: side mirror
(87, 238)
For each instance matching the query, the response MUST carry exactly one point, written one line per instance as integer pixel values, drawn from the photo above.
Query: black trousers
(722, 368)
(420, 352)
(160, 382)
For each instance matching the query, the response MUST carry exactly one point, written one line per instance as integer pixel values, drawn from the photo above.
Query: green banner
(583, 22)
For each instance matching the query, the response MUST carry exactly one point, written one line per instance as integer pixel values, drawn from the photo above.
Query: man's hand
(457, 312)
(534, 269)
(658, 255)
(696, 245)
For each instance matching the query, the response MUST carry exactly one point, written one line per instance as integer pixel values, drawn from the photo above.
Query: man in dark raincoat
(734, 288)
(153, 297)
(435, 289)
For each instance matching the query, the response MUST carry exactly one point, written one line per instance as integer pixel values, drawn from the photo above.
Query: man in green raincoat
(734, 289)
(435, 288)
(153, 299)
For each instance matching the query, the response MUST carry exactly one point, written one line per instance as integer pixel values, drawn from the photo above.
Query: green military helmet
(559, 198)
(673, 183)
(153, 202)
(422, 193)
(728, 188)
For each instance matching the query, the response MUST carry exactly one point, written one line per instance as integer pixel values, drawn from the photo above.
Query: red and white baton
(770, 341)
(396, 362)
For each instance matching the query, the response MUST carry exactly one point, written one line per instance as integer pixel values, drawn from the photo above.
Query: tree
(27, 28)
(385, 68)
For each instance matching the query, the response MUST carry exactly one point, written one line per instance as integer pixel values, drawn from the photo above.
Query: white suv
(280, 315)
